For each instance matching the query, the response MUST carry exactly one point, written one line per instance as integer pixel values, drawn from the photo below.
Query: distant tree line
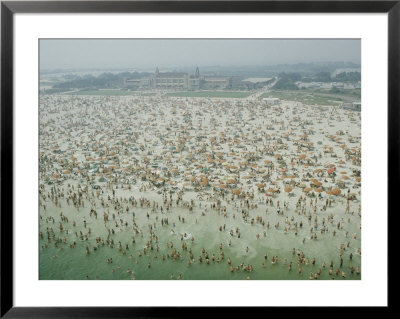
(341, 77)
(103, 81)
(348, 77)
(287, 81)
(318, 77)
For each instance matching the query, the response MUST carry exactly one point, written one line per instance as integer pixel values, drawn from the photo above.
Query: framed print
(161, 155)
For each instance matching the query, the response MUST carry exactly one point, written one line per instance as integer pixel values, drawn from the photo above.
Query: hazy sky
(131, 54)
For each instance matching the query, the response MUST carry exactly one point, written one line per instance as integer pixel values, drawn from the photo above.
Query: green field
(304, 97)
(220, 94)
(110, 93)
(316, 96)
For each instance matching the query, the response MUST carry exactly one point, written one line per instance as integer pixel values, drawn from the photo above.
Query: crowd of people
(158, 187)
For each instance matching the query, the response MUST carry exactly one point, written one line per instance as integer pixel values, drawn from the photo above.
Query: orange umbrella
(336, 191)
(236, 191)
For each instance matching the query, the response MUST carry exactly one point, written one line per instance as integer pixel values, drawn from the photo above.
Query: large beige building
(167, 80)
(179, 81)
(173, 80)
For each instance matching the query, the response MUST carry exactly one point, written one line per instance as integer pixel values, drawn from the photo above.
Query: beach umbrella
(318, 190)
(336, 191)
(236, 191)
(308, 189)
(288, 189)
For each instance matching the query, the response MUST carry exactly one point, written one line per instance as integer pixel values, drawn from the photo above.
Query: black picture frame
(9, 8)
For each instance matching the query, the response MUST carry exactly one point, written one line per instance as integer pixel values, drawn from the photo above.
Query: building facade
(179, 81)
(167, 81)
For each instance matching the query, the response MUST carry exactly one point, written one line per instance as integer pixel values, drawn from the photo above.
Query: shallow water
(73, 263)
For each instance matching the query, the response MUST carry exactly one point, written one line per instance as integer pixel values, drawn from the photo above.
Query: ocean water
(63, 262)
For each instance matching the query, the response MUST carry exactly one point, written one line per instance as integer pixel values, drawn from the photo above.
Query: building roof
(271, 99)
(257, 80)
(216, 79)
(170, 75)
